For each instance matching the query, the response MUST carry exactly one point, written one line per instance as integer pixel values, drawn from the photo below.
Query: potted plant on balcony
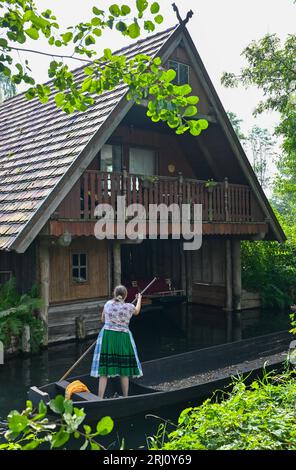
(148, 181)
(210, 184)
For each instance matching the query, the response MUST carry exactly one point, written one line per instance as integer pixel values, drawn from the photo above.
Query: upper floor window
(142, 161)
(182, 71)
(111, 158)
(79, 267)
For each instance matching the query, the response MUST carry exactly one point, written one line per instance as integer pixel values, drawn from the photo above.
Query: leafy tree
(271, 67)
(236, 123)
(7, 88)
(262, 146)
(145, 78)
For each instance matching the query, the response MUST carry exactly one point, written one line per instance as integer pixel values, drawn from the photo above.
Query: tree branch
(61, 56)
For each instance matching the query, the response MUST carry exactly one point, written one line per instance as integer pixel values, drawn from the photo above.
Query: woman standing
(115, 353)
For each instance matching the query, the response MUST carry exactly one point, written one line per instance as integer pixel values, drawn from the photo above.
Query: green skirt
(117, 356)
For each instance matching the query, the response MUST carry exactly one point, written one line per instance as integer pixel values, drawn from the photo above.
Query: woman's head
(120, 293)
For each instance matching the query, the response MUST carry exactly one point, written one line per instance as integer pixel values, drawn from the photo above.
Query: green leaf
(149, 26)
(97, 32)
(157, 61)
(32, 33)
(89, 40)
(16, 422)
(134, 31)
(125, 10)
(60, 438)
(141, 5)
(185, 90)
(96, 21)
(107, 54)
(203, 123)
(58, 43)
(114, 10)
(32, 445)
(67, 37)
(88, 70)
(169, 75)
(154, 8)
(86, 85)
(190, 111)
(105, 426)
(42, 408)
(3, 42)
(192, 100)
(95, 446)
(158, 19)
(97, 12)
(57, 404)
(121, 26)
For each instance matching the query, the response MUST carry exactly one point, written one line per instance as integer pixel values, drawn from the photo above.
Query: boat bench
(87, 396)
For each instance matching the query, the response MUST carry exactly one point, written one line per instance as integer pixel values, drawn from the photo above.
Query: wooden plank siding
(62, 287)
(21, 266)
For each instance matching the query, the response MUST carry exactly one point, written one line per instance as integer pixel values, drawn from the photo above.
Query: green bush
(270, 267)
(18, 310)
(262, 416)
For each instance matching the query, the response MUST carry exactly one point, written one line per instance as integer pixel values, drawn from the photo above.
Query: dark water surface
(158, 334)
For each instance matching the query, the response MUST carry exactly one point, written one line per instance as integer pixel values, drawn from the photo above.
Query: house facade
(55, 169)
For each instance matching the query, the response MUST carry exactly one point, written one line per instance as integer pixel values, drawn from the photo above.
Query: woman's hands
(139, 303)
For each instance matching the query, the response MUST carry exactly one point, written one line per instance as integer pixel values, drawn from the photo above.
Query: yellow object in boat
(75, 387)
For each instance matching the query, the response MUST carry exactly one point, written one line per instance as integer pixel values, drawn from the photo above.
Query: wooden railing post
(226, 199)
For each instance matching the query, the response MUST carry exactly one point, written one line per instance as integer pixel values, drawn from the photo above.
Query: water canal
(175, 330)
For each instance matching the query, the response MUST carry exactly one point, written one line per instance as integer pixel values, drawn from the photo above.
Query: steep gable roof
(39, 143)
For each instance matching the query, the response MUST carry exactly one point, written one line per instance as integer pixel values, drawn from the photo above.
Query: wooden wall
(62, 288)
(208, 273)
(22, 265)
(168, 148)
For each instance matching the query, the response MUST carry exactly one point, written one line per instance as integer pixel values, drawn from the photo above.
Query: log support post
(80, 327)
(228, 263)
(44, 270)
(116, 263)
(236, 274)
(26, 346)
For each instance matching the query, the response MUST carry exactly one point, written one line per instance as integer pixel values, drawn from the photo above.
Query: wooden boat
(192, 376)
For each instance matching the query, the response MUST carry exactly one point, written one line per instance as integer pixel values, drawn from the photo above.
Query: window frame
(178, 62)
(79, 266)
(112, 144)
(145, 147)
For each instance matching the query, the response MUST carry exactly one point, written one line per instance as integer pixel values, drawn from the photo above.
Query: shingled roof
(39, 143)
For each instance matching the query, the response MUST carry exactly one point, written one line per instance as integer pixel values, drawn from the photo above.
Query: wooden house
(55, 168)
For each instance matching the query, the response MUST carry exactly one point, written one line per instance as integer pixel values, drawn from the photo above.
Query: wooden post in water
(80, 327)
(236, 274)
(228, 275)
(26, 346)
(44, 269)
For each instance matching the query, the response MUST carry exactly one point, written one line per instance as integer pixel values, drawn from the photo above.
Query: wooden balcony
(222, 203)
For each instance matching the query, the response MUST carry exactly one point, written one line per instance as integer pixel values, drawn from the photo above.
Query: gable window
(182, 71)
(142, 161)
(111, 158)
(79, 267)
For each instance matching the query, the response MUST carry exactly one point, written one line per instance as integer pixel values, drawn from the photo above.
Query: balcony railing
(222, 202)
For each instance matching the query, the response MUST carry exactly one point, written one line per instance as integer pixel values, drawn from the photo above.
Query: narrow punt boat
(176, 379)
